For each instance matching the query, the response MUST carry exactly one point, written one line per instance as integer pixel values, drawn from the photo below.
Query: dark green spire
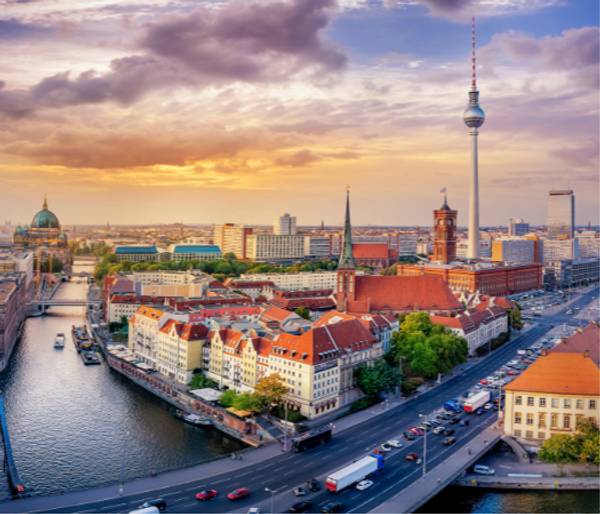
(346, 258)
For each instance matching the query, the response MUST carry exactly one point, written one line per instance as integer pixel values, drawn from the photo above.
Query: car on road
(438, 430)
(207, 494)
(481, 469)
(299, 491)
(483, 381)
(409, 436)
(449, 440)
(332, 507)
(394, 443)
(364, 484)
(454, 421)
(159, 503)
(464, 422)
(479, 412)
(487, 406)
(239, 493)
(417, 431)
(313, 485)
(384, 447)
(512, 372)
(253, 510)
(412, 456)
(449, 431)
(302, 506)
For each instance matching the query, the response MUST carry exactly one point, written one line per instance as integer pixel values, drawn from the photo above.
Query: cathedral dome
(45, 218)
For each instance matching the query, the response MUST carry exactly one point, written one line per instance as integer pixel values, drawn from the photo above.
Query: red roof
(310, 303)
(273, 313)
(402, 293)
(582, 341)
(496, 301)
(471, 319)
(370, 251)
(186, 331)
(322, 344)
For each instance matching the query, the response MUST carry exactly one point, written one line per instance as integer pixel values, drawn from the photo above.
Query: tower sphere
(473, 116)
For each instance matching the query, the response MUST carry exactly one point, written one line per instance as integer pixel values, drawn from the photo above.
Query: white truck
(354, 472)
(477, 400)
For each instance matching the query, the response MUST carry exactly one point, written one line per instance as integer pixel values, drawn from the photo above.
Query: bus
(311, 439)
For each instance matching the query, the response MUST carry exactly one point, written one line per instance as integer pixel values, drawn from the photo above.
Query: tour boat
(197, 421)
(59, 341)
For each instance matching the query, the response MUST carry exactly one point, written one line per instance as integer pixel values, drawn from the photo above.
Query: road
(286, 471)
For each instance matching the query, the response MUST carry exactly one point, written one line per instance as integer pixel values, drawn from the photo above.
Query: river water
(74, 426)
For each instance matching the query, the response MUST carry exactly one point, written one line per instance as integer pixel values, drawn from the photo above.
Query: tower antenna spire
(473, 56)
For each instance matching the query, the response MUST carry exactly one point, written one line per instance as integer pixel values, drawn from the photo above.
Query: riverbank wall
(530, 483)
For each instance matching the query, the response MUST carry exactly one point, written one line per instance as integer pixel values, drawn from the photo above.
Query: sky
(208, 111)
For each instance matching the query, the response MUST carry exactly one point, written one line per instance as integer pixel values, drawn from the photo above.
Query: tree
(514, 318)
(303, 312)
(583, 446)
(378, 378)
(200, 381)
(250, 402)
(271, 388)
(228, 398)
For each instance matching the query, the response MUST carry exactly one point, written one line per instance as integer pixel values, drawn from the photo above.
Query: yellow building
(179, 349)
(551, 396)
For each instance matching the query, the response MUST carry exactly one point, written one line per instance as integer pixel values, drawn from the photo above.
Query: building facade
(137, 253)
(190, 252)
(284, 225)
(561, 214)
(269, 247)
(231, 238)
(517, 227)
(513, 250)
(444, 229)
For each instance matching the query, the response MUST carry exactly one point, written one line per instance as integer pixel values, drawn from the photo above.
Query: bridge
(14, 481)
(39, 306)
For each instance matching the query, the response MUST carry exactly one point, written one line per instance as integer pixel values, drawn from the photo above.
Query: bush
(200, 381)
(410, 385)
(293, 415)
(364, 403)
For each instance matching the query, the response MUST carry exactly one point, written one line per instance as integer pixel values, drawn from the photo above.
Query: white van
(480, 469)
(146, 510)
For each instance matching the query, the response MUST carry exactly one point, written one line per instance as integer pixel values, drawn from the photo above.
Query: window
(567, 403)
(579, 404)
(530, 401)
(592, 404)
(517, 418)
(541, 435)
(567, 421)
(542, 402)
(518, 400)
(529, 434)
(542, 420)
(517, 433)
(554, 421)
(554, 403)
(529, 418)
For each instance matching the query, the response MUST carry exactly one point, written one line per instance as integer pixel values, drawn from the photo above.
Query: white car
(394, 443)
(487, 406)
(364, 484)
(438, 430)
(385, 447)
(480, 469)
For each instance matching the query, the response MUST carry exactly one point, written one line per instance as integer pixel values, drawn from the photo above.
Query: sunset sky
(201, 111)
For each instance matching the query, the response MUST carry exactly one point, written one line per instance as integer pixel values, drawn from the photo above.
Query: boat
(59, 341)
(197, 421)
(81, 338)
(89, 358)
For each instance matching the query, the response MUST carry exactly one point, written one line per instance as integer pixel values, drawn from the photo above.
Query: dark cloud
(254, 42)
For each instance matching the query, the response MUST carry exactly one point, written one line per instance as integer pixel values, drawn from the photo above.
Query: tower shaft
(473, 234)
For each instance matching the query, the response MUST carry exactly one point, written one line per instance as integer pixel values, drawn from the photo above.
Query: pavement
(269, 468)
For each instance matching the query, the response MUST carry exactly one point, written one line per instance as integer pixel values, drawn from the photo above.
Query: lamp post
(423, 417)
(272, 491)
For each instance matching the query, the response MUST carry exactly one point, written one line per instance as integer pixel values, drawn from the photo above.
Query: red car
(412, 456)
(238, 494)
(483, 381)
(209, 494)
(417, 431)
(512, 372)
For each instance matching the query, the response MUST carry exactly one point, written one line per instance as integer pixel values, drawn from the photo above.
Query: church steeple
(346, 257)
(45, 204)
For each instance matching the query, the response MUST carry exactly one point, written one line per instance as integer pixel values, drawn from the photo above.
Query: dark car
(464, 422)
(449, 440)
(239, 493)
(332, 507)
(454, 421)
(205, 495)
(302, 506)
(159, 503)
(479, 412)
(411, 456)
(409, 436)
(449, 431)
(299, 491)
(313, 485)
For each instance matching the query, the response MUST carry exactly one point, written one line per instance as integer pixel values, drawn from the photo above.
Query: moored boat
(197, 421)
(89, 358)
(59, 341)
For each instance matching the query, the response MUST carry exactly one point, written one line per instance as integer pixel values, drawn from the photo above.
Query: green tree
(250, 402)
(583, 446)
(200, 381)
(271, 389)
(228, 398)
(378, 378)
(514, 318)
(303, 312)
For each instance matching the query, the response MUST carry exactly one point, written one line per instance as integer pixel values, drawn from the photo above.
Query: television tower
(473, 118)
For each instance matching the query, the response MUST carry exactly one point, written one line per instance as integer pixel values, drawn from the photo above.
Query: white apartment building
(168, 277)
(318, 247)
(269, 247)
(560, 249)
(296, 281)
(284, 225)
(513, 250)
(588, 242)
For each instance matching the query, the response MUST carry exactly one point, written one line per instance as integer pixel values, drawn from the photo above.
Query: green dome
(45, 218)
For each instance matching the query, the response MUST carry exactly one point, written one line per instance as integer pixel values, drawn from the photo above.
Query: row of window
(567, 403)
(555, 420)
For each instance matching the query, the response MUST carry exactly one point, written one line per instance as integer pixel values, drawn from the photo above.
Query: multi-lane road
(285, 471)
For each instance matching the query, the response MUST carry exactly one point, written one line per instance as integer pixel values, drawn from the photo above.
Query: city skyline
(288, 128)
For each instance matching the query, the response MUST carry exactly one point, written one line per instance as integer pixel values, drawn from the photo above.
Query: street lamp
(424, 417)
(272, 491)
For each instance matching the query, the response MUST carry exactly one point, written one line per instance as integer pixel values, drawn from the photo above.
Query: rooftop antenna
(473, 57)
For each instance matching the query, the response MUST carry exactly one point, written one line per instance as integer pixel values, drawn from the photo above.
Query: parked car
(411, 456)
(299, 491)
(313, 485)
(253, 510)
(479, 412)
(302, 506)
(159, 503)
(454, 420)
(332, 507)
(487, 406)
(480, 469)
(207, 494)
(449, 431)
(449, 440)
(394, 443)
(385, 447)
(238, 494)
(438, 430)
(409, 436)
(364, 484)
(464, 422)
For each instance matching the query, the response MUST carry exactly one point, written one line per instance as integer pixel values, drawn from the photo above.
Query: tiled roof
(149, 312)
(135, 249)
(495, 301)
(122, 285)
(402, 293)
(309, 303)
(211, 249)
(583, 340)
(247, 284)
(370, 251)
(133, 299)
(331, 317)
(322, 344)
(560, 373)
(470, 320)
(273, 313)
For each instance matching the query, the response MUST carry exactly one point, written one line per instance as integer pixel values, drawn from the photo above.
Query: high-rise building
(517, 227)
(561, 214)
(231, 238)
(444, 245)
(284, 225)
(270, 247)
(473, 116)
(589, 244)
(514, 250)
(560, 249)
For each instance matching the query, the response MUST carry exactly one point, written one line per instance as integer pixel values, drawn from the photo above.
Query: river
(74, 426)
